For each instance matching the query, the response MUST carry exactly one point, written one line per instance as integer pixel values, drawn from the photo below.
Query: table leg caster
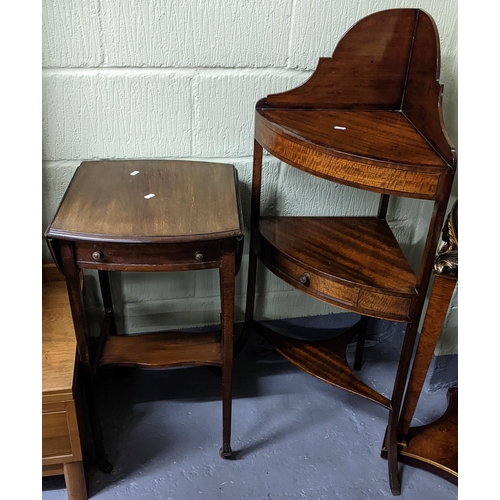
(226, 452)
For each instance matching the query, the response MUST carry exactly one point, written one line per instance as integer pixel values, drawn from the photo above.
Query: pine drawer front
(60, 436)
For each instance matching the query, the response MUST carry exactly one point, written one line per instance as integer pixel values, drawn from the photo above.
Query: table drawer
(158, 256)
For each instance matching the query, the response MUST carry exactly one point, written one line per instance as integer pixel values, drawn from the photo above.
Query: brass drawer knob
(198, 256)
(304, 279)
(97, 255)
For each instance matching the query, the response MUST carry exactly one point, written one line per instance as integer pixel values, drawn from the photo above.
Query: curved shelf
(351, 262)
(323, 359)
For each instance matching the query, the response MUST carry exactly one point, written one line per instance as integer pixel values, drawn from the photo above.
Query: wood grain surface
(58, 337)
(192, 201)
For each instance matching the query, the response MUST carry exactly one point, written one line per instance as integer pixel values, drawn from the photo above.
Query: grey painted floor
(294, 437)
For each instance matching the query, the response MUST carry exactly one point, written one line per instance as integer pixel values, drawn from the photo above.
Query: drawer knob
(97, 255)
(304, 279)
(198, 256)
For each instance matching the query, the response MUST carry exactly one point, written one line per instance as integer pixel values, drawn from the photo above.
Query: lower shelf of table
(323, 359)
(434, 447)
(163, 349)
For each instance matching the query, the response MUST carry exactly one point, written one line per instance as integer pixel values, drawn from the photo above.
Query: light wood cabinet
(61, 428)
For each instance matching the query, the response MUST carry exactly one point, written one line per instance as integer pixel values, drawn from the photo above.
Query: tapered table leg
(73, 284)
(74, 478)
(227, 285)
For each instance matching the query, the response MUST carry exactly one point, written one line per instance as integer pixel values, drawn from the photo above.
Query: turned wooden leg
(74, 477)
(227, 284)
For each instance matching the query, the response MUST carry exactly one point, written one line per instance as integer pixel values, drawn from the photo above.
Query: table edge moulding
(369, 117)
(149, 216)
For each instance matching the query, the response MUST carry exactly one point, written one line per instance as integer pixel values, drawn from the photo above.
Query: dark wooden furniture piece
(369, 117)
(62, 426)
(433, 447)
(149, 216)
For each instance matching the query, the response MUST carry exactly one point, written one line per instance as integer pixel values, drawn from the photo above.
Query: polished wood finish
(300, 142)
(369, 117)
(108, 221)
(61, 434)
(162, 350)
(433, 447)
(325, 360)
(326, 251)
(439, 300)
(192, 201)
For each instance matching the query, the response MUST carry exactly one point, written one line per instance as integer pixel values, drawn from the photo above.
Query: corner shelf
(369, 117)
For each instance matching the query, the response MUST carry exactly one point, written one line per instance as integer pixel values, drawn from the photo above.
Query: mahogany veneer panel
(364, 172)
(363, 135)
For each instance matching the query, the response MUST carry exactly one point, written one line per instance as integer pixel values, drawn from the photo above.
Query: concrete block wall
(169, 79)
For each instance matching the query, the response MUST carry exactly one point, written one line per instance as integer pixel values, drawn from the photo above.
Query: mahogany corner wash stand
(369, 117)
(149, 216)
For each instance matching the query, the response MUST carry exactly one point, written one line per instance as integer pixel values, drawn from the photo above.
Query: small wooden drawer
(351, 296)
(315, 284)
(127, 256)
(60, 433)
(386, 305)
